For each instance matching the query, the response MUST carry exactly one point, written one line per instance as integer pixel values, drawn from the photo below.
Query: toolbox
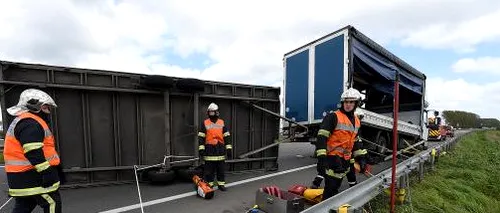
(288, 203)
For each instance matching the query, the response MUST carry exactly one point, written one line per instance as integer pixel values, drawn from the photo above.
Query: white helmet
(31, 100)
(212, 107)
(351, 94)
(213, 110)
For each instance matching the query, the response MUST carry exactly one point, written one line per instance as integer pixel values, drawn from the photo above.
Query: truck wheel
(186, 174)
(381, 141)
(161, 177)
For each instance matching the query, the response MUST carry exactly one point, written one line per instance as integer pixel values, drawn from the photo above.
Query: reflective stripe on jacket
(341, 141)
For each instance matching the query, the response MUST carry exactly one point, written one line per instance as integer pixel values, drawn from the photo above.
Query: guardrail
(354, 198)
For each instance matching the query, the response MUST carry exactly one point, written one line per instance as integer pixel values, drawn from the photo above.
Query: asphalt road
(98, 199)
(176, 197)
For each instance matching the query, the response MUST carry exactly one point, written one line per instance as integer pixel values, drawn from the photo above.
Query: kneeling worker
(215, 143)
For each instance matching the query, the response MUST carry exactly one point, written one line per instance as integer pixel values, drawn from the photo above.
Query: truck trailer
(316, 74)
(106, 121)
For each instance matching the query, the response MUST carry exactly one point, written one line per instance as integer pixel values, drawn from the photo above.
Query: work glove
(362, 163)
(321, 169)
(49, 177)
(317, 182)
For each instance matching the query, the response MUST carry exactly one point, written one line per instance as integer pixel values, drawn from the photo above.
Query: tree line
(465, 119)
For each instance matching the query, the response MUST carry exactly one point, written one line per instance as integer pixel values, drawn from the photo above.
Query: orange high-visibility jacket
(214, 139)
(214, 132)
(15, 161)
(341, 141)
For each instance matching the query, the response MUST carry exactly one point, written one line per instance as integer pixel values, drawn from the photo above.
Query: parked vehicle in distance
(450, 131)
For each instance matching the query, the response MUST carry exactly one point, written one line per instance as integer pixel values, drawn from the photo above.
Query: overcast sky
(455, 43)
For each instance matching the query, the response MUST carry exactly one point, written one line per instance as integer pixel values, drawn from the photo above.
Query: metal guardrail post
(421, 171)
(433, 158)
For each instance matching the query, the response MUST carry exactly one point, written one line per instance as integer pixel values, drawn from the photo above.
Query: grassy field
(466, 179)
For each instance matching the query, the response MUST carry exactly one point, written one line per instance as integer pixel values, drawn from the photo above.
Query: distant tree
(464, 119)
(490, 122)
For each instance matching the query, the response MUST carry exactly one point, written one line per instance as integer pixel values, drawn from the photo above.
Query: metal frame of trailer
(107, 122)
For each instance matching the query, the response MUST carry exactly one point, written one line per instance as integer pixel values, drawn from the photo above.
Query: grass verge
(467, 179)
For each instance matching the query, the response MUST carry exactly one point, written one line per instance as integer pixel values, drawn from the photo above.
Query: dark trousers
(340, 168)
(351, 175)
(50, 203)
(212, 167)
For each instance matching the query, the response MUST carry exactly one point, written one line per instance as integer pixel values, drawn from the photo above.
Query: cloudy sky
(456, 43)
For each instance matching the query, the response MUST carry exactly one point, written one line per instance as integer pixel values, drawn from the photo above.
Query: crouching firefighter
(31, 159)
(336, 144)
(215, 143)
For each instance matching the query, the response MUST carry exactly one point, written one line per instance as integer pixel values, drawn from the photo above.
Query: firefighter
(351, 175)
(336, 143)
(31, 159)
(215, 144)
(437, 118)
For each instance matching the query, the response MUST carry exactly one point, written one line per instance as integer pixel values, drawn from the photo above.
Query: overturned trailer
(106, 121)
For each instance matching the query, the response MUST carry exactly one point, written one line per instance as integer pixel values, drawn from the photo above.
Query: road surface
(296, 167)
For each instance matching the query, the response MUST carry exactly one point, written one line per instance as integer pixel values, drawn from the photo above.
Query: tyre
(381, 141)
(157, 82)
(190, 85)
(161, 177)
(186, 174)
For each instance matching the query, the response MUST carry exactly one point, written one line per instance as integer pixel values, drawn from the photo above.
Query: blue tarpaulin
(385, 68)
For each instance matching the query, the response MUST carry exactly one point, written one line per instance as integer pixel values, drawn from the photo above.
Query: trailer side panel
(106, 122)
(297, 86)
(328, 75)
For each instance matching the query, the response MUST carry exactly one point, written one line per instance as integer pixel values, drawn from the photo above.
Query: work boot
(222, 188)
(351, 184)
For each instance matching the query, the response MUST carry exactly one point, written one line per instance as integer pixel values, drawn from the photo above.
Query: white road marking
(179, 196)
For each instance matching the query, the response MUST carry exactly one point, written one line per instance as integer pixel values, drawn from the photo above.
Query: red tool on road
(202, 188)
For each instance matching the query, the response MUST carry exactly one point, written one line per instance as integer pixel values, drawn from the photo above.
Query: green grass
(1, 158)
(467, 179)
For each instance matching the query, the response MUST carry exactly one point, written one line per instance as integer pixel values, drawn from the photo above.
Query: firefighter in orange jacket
(351, 175)
(31, 160)
(337, 143)
(215, 144)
